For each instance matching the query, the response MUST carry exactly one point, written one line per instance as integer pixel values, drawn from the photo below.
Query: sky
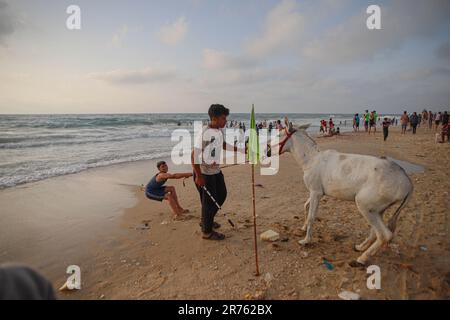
(302, 56)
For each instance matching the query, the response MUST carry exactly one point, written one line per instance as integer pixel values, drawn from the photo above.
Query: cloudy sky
(181, 56)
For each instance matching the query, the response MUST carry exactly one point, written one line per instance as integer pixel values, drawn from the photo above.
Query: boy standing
(386, 124)
(404, 121)
(366, 120)
(207, 174)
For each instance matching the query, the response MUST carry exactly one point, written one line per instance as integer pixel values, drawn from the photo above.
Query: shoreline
(128, 162)
(118, 260)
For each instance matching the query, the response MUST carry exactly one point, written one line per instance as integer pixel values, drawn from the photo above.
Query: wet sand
(94, 219)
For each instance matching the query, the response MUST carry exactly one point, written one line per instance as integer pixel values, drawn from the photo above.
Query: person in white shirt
(205, 160)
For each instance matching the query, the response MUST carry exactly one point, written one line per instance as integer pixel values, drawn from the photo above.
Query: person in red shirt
(445, 132)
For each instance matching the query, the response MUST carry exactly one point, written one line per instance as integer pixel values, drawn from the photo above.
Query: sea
(37, 147)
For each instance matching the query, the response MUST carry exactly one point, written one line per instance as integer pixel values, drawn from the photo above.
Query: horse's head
(285, 144)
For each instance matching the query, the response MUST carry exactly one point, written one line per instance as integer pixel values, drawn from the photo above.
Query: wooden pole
(254, 220)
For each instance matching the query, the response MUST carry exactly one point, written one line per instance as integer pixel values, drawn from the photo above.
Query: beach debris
(270, 235)
(339, 237)
(305, 254)
(259, 185)
(344, 281)
(275, 246)
(348, 295)
(284, 239)
(292, 293)
(259, 295)
(356, 264)
(143, 226)
(67, 286)
(327, 264)
(164, 222)
(268, 278)
(395, 248)
(423, 248)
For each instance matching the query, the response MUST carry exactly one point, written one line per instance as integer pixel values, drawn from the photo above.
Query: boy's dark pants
(216, 186)
(385, 133)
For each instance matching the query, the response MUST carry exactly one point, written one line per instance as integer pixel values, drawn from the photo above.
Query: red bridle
(282, 143)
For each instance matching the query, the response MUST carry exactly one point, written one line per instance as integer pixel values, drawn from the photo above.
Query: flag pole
(253, 127)
(254, 221)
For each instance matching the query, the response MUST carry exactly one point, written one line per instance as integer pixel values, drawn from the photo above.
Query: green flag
(253, 141)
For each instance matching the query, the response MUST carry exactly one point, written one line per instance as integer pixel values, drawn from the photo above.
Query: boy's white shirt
(210, 152)
(210, 161)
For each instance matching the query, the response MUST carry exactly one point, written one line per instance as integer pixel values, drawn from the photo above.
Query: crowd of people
(269, 125)
(328, 128)
(408, 121)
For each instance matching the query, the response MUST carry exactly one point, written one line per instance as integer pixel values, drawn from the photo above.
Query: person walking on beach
(366, 120)
(325, 126)
(386, 124)
(155, 189)
(430, 120)
(375, 118)
(372, 122)
(207, 174)
(279, 125)
(437, 120)
(445, 119)
(404, 119)
(414, 122)
(331, 124)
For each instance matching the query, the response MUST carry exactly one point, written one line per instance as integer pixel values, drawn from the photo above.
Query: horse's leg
(313, 206)
(368, 242)
(383, 234)
(306, 214)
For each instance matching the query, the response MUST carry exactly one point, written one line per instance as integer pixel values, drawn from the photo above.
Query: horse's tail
(392, 223)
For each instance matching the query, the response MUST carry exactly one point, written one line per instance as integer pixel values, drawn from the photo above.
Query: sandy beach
(129, 248)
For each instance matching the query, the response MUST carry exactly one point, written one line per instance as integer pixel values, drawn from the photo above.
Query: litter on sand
(328, 264)
(143, 226)
(348, 295)
(270, 235)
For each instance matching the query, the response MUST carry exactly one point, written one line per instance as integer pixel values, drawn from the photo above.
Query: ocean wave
(95, 122)
(38, 175)
(48, 141)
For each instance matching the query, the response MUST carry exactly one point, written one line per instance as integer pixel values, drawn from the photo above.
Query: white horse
(373, 183)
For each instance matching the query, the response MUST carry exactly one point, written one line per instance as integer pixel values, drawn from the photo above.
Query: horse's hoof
(356, 264)
(303, 242)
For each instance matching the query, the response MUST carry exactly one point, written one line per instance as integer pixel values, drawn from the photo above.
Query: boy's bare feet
(177, 217)
(181, 210)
